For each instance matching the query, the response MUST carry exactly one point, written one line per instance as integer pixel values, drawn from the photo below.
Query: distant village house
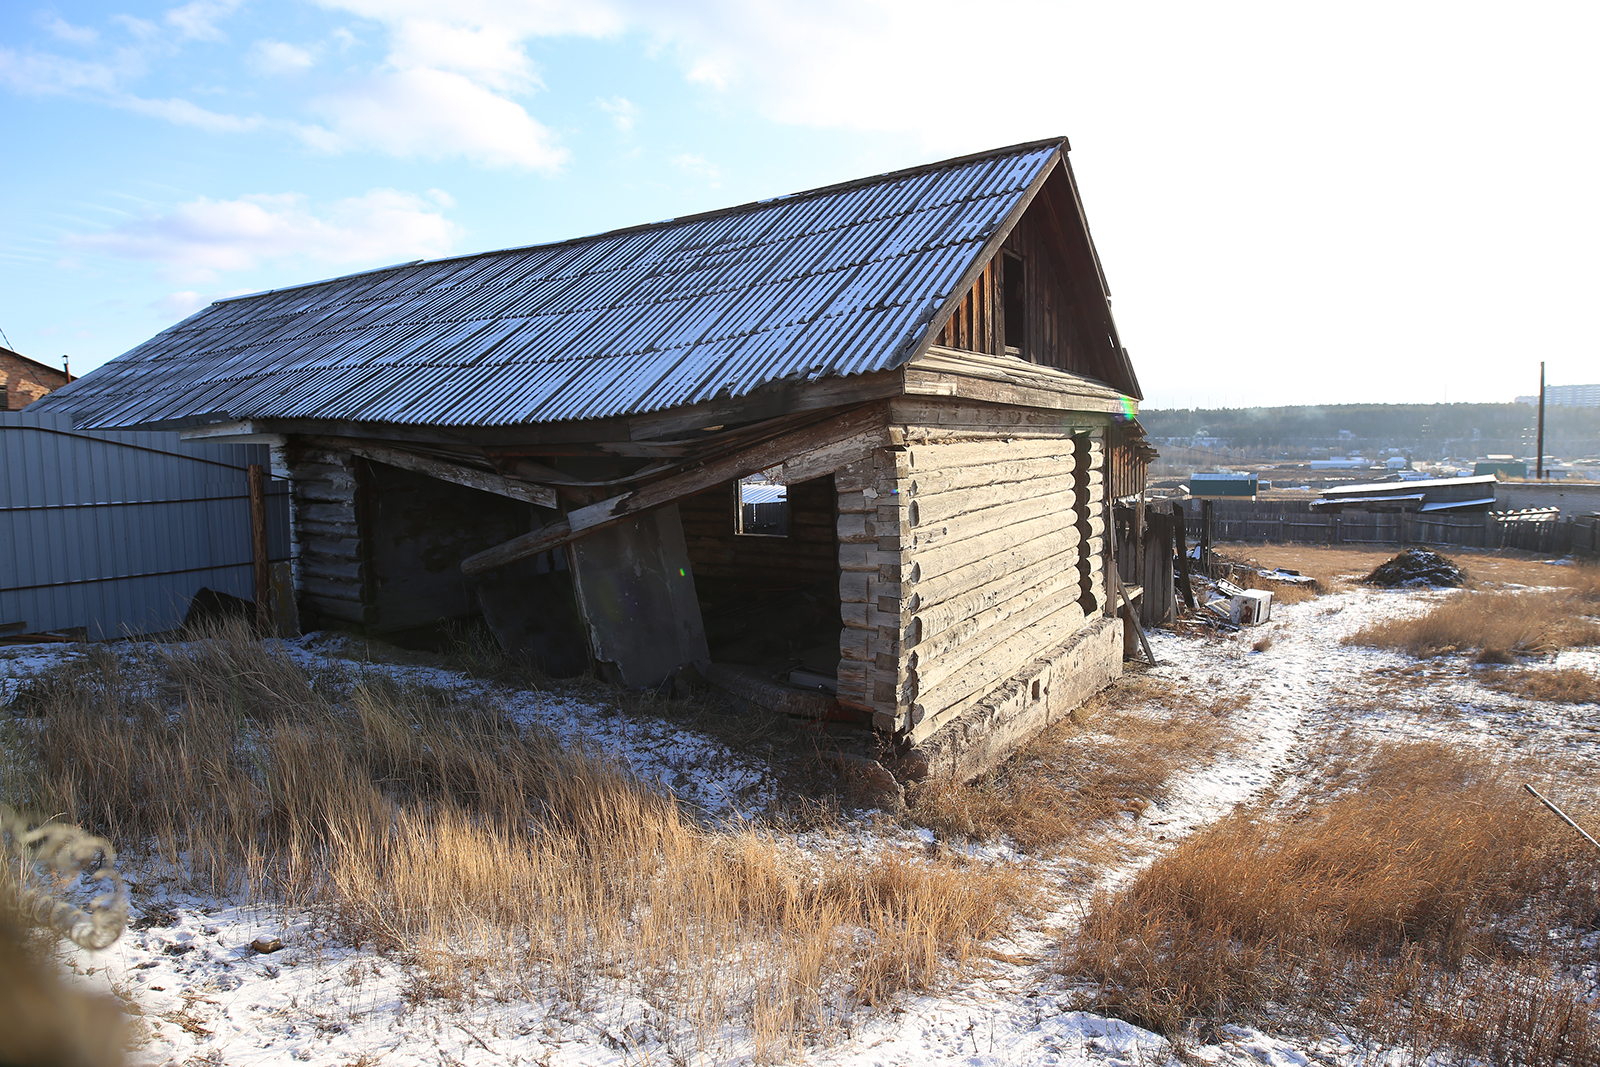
(24, 380)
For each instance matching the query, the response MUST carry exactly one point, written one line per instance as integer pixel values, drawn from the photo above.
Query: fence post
(258, 546)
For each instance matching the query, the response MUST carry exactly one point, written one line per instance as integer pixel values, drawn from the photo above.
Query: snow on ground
(200, 993)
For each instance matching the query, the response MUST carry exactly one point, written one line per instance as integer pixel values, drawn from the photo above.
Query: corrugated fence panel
(115, 531)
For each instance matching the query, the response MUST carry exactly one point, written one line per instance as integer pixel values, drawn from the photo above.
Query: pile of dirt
(1416, 567)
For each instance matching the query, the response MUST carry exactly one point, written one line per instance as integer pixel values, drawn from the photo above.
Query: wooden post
(258, 547)
(1138, 539)
(1206, 519)
(1180, 538)
(1538, 462)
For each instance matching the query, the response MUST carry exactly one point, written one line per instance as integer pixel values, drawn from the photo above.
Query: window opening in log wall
(1014, 305)
(762, 507)
(1082, 466)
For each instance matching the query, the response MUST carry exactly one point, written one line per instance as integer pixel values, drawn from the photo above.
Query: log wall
(332, 567)
(1001, 555)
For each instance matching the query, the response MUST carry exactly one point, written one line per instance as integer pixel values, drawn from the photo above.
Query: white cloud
(205, 237)
(140, 29)
(623, 112)
(184, 113)
(490, 56)
(199, 18)
(63, 30)
(43, 74)
(279, 57)
(696, 166)
(434, 113)
(181, 304)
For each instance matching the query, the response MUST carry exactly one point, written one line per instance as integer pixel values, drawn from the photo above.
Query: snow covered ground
(201, 994)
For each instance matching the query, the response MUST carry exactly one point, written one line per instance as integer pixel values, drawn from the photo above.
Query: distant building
(24, 380)
(1435, 494)
(1502, 466)
(1567, 396)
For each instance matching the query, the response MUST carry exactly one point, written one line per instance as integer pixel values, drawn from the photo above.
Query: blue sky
(1294, 203)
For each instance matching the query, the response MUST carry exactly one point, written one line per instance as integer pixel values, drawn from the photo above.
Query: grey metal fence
(114, 531)
(1293, 522)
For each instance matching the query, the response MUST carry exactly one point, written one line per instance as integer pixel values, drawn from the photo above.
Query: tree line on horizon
(1392, 425)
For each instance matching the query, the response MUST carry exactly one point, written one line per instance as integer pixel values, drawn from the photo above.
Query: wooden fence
(1551, 534)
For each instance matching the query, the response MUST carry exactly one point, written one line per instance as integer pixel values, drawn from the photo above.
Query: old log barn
(919, 369)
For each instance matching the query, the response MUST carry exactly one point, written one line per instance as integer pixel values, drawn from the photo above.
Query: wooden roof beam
(804, 453)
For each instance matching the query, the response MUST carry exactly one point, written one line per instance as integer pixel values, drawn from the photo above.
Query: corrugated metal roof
(837, 281)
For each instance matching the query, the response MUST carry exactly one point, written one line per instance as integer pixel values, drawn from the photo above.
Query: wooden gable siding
(978, 324)
(1067, 325)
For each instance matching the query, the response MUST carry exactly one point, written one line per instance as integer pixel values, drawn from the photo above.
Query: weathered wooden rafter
(803, 453)
(444, 470)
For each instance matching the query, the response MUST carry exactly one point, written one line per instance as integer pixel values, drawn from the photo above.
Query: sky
(1294, 203)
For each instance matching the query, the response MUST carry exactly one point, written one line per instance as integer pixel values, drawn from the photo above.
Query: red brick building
(24, 380)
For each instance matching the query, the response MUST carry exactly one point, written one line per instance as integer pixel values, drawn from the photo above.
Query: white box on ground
(1251, 607)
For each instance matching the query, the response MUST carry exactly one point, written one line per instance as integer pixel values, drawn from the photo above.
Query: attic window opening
(762, 507)
(1014, 304)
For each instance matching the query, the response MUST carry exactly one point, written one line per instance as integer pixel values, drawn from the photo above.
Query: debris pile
(1416, 567)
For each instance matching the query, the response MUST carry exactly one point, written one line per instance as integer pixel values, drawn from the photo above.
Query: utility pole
(1538, 463)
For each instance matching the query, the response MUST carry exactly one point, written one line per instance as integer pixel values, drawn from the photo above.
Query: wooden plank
(767, 402)
(807, 452)
(258, 545)
(455, 473)
(925, 383)
(930, 413)
(1180, 543)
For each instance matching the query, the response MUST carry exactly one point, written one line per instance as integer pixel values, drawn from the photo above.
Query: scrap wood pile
(1416, 567)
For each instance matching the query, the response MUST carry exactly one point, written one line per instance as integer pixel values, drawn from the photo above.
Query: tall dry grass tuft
(1113, 756)
(1494, 625)
(1417, 912)
(499, 860)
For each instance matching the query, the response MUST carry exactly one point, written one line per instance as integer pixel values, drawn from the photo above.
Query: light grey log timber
(946, 599)
(1001, 472)
(937, 457)
(955, 691)
(970, 629)
(945, 558)
(990, 636)
(917, 414)
(455, 473)
(806, 452)
(967, 503)
(923, 383)
(946, 545)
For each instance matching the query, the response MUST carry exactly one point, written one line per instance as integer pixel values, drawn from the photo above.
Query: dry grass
(479, 847)
(1433, 910)
(1494, 625)
(1565, 685)
(1331, 565)
(1113, 756)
